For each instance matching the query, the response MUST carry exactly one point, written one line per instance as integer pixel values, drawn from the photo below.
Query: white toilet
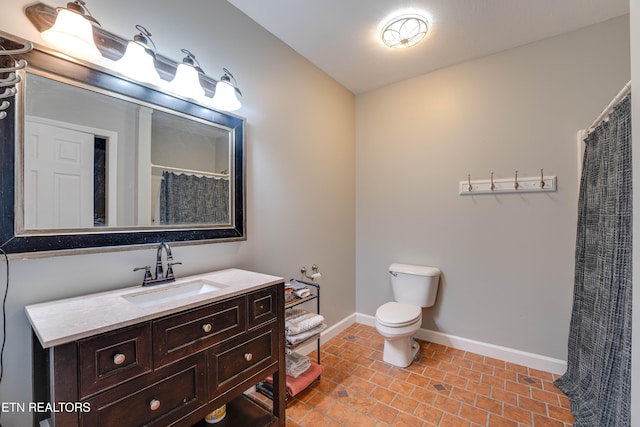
(414, 287)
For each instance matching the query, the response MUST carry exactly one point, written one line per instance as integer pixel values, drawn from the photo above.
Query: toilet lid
(395, 314)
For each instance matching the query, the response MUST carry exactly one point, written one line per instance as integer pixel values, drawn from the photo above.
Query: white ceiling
(341, 36)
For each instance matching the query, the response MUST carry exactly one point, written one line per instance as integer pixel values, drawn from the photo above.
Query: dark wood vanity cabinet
(173, 370)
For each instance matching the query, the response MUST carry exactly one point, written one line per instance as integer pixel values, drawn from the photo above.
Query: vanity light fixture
(404, 31)
(187, 79)
(142, 63)
(138, 60)
(72, 31)
(225, 97)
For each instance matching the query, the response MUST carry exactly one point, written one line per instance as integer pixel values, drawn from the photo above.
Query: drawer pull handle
(248, 357)
(154, 404)
(119, 359)
(207, 327)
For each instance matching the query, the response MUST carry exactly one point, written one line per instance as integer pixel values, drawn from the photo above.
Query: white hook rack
(517, 184)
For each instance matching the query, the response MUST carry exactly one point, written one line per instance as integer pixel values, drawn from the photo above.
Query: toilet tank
(414, 284)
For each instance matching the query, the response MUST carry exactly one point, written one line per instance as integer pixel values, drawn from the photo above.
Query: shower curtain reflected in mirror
(191, 199)
(598, 377)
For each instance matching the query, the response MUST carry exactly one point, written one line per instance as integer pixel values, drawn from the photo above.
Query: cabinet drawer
(158, 399)
(262, 306)
(183, 334)
(113, 358)
(237, 360)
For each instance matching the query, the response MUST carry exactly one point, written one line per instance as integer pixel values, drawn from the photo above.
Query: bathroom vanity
(164, 355)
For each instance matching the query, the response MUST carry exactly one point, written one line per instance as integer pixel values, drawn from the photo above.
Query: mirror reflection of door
(60, 166)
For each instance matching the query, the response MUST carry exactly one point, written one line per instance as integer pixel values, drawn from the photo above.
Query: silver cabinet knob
(154, 404)
(248, 357)
(207, 327)
(119, 359)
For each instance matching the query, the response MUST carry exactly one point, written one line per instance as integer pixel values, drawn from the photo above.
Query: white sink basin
(167, 294)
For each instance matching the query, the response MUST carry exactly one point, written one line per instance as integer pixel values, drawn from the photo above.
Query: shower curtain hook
(493, 186)
(541, 178)
(516, 185)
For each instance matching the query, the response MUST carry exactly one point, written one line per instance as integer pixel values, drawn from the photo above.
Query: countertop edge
(37, 313)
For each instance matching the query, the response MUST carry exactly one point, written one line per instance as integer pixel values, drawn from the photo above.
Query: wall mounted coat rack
(516, 184)
(8, 67)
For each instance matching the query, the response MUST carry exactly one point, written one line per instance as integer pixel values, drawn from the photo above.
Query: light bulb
(187, 82)
(72, 33)
(138, 64)
(225, 97)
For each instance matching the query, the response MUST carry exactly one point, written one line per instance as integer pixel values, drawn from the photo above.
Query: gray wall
(300, 178)
(507, 260)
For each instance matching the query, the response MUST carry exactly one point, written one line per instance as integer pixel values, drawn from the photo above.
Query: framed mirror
(92, 160)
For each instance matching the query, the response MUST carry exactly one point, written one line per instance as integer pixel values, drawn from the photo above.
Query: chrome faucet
(160, 277)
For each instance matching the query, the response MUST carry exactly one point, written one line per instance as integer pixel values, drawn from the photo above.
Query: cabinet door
(237, 360)
(262, 306)
(157, 399)
(110, 359)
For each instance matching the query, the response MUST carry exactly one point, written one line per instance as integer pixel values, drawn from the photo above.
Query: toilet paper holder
(315, 276)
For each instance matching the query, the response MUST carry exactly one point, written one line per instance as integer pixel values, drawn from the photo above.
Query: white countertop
(62, 321)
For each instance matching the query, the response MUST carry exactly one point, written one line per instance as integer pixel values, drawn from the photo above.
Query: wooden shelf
(298, 301)
(243, 412)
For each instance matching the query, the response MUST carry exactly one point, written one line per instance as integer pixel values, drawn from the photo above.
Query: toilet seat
(397, 315)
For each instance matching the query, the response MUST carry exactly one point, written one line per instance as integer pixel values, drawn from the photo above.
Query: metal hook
(27, 46)
(8, 92)
(516, 185)
(493, 186)
(469, 179)
(541, 178)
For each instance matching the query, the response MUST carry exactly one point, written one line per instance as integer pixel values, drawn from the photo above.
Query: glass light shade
(187, 82)
(225, 97)
(138, 64)
(405, 31)
(72, 34)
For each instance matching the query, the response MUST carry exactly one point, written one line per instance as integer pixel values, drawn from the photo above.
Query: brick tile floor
(446, 387)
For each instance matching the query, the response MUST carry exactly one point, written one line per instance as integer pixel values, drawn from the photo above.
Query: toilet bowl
(397, 323)
(414, 287)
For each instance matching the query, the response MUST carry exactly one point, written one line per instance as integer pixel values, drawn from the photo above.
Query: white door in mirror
(58, 177)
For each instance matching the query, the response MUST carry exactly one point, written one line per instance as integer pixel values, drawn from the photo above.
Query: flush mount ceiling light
(404, 31)
(72, 31)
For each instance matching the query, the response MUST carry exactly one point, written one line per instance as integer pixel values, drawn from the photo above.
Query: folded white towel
(297, 364)
(294, 339)
(295, 285)
(302, 323)
(301, 293)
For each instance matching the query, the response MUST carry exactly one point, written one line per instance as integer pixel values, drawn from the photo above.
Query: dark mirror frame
(10, 242)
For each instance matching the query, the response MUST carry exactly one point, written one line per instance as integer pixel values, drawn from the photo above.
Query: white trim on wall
(531, 360)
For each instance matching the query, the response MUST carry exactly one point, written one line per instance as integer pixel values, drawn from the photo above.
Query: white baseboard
(531, 360)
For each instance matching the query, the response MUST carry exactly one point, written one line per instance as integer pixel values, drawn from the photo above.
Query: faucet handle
(170, 264)
(147, 273)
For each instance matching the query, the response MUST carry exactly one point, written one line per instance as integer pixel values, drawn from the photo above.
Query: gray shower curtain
(598, 377)
(191, 199)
